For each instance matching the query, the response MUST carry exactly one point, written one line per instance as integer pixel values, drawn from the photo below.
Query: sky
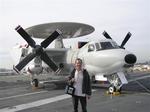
(117, 17)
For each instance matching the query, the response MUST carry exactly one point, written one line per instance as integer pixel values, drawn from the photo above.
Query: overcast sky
(117, 17)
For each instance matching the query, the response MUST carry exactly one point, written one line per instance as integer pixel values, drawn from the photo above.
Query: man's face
(78, 65)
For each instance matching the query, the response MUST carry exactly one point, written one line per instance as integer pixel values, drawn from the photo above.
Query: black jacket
(86, 85)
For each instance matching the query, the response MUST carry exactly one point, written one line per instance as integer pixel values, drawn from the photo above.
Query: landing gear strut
(116, 84)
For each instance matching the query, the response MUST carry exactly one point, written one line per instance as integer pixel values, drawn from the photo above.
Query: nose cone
(130, 58)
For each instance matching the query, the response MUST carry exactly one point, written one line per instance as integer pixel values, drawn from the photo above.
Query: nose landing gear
(35, 83)
(113, 91)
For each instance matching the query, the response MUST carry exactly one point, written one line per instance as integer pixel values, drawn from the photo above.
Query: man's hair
(78, 59)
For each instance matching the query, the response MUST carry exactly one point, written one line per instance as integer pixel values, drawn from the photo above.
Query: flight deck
(21, 97)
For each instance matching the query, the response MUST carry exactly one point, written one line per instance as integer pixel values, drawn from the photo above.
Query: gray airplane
(104, 59)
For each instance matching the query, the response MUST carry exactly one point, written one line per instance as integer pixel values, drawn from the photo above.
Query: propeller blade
(24, 62)
(50, 39)
(49, 62)
(125, 39)
(25, 35)
(106, 35)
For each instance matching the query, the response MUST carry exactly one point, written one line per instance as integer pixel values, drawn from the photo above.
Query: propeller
(125, 39)
(123, 42)
(52, 37)
(106, 35)
(37, 50)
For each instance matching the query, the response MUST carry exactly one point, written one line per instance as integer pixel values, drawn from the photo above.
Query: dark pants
(76, 99)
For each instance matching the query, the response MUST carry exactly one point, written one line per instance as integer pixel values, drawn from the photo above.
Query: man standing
(80, 80)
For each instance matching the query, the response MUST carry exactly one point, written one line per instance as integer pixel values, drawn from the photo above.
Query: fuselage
(102, 59)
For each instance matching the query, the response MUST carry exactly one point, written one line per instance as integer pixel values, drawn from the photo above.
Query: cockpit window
(115, 44)
(106, 45)
(98, 47)
(91, 47)
(102, 46)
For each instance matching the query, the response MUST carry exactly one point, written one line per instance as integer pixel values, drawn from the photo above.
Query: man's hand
(73, 80)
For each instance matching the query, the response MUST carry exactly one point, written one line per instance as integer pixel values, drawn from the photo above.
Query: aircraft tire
(112, 89)
(35, 82)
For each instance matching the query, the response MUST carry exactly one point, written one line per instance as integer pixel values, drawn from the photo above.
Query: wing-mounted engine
(19, 52)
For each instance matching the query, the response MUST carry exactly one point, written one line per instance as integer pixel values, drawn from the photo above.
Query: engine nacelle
(34, 69)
